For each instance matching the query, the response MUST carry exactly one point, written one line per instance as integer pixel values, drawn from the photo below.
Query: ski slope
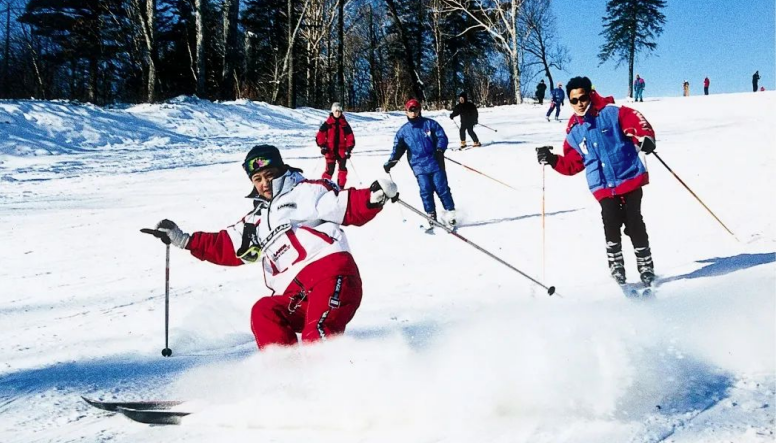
(448, 345)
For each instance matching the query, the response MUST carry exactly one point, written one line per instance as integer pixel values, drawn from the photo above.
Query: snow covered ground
(448, 345)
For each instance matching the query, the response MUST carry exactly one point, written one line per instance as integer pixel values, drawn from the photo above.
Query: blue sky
(726, 41)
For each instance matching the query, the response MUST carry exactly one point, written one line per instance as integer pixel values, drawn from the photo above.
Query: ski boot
(428, 226)
(645, 266)
(616, 262)
(463, 144)
(476, 144)
(548, 118)
(448, 217)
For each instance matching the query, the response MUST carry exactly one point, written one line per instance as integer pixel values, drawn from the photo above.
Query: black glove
(451, 116)
(347, 154)
(389, 164)
(545, 156)
(647, 145)
(324, 150)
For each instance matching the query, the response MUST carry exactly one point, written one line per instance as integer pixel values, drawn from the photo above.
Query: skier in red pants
(294, 230)
(336, 140)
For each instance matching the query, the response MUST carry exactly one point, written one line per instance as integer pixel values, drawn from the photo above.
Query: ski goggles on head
(257, 164)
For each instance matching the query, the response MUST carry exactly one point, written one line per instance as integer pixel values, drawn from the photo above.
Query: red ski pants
(317, 312)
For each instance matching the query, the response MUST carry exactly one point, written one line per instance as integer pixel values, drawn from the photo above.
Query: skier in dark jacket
(755, 79)
(469, 115)
(425, 142)
(540, 90)
(604, 140)
(557, 101)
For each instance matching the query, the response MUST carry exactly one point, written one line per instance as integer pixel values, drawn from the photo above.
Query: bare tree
(231, 39)
(280, 75)
(541, 41)
(499, 18)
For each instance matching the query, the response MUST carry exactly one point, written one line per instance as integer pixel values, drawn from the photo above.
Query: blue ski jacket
(420, 137)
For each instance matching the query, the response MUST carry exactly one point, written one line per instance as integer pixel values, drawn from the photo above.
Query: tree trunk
(341, 51)
(417, 84)
(231, 42)
(200, 48)
(291, 93)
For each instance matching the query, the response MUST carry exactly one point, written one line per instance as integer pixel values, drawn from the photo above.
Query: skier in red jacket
(295, 232)
(336, 140)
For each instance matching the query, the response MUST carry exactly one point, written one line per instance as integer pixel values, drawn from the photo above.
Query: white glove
(174, 233)
(382, 190)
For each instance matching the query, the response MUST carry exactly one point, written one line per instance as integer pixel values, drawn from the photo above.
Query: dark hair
(579, 82)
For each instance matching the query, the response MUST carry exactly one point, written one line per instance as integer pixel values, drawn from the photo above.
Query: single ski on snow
(153, 417)
(112, 406)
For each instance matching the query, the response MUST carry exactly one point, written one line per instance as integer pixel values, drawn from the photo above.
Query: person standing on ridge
(295, 231)
(540, 90)
(706, 83)
(604, 140)
(638, 89)
(469, 115)
(336, 140)
(557, 95)
(686, 88)
(755, 80)
(425, 142)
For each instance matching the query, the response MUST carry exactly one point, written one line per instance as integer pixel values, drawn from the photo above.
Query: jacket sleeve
(350, 139)
(214, 247)
(324, 202)
(634, 125)
(320, 138)
(570, 162)
(456, 111)
(399, 147)
(441, 137)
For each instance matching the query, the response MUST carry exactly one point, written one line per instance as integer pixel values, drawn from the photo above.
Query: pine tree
(631, 26)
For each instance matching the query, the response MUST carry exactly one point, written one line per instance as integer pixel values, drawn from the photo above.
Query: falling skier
(295, 232)
(605, 141)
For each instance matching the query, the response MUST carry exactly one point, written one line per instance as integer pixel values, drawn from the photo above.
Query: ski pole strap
(550, 290)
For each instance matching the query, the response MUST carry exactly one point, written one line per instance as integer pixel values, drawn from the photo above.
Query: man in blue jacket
(425, 142)
(557, 96)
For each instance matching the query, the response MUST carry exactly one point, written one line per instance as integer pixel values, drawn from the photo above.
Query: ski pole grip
(542, 147)
(158, 234)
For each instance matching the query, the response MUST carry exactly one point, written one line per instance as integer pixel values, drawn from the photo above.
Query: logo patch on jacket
(583, 146)
(287, 205)
(283, 249)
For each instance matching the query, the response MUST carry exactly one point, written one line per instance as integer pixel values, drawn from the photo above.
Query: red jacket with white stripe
(336, 135)
(298, 228)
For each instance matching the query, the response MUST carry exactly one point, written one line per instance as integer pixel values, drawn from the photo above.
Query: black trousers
(470, 128)
(624, 210)
(341, 162)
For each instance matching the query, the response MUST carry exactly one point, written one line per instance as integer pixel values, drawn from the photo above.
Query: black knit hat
(261, 157)
(463, 94)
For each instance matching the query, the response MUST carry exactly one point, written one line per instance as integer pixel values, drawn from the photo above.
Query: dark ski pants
(470, 129)
(342, 176)
(431, 183)
(318, 312)
(556, 106)
(624, 210)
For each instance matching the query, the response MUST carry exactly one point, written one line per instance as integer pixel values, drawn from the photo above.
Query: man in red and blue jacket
(605, 140)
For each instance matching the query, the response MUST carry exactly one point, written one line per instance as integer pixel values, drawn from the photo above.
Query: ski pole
(166, 352)
(478, 172)
(486, 126)
(550, 290)
(352, 165)
(693, 194)
(544, 250)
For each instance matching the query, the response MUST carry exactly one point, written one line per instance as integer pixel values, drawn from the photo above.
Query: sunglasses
(257, 163)
(582, 98)
(412, 109)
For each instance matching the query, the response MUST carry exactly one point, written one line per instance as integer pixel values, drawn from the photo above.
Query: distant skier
(604, 140)
(336, 140)
(686, 88)
(638, 89)
(557, 95)
(706, 83)
(469, 116)
(294, 230)
(755, 80)
(426, 142)
(540, 90)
